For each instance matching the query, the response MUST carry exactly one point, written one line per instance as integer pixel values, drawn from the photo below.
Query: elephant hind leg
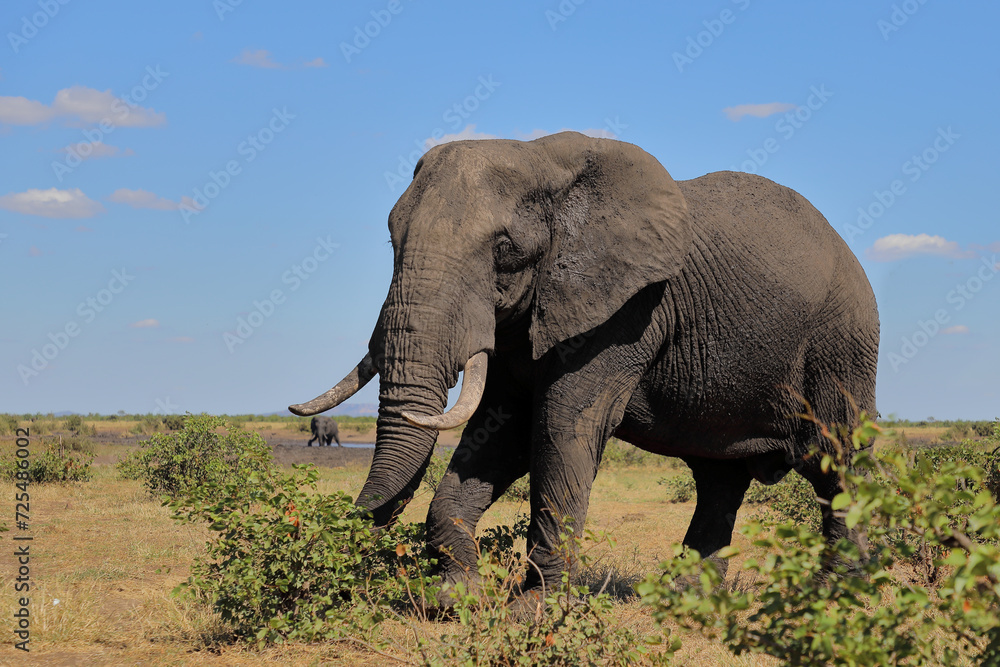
(827, 485)
(720, 485)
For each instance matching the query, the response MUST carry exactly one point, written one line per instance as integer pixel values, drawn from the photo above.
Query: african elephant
(323, 429)
(693, 319)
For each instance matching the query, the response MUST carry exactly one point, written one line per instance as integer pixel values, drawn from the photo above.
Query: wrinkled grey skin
(323, 429)
(691, 319)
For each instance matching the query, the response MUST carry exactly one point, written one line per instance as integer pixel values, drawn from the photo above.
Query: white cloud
(77, 106)
(98, 149)
(52, 203)
(900, 246)
(756, 110)
(958, 329)
(262, 58)
(145, 324)
(144, 199)
(259, 58)
(22, 111)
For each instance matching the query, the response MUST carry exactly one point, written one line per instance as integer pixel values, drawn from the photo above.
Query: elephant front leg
(579, 417)
(720, 486)
(492, 455)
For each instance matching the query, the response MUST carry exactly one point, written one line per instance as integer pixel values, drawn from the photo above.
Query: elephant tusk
(346, 388)
(473, 384)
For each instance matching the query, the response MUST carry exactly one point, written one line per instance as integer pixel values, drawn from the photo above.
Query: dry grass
(105, 558)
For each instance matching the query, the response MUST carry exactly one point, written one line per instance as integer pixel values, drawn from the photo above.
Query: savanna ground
(105, 556)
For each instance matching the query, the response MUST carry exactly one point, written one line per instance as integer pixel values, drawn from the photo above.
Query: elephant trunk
(402, 450)
(429, 327)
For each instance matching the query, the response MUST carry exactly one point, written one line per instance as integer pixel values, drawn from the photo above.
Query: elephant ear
(621, 224)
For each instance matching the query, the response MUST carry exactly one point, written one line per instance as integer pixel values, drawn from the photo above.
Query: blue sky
(170, 168)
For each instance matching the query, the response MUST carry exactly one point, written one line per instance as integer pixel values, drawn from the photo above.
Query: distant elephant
(323, 429)
(694, 319)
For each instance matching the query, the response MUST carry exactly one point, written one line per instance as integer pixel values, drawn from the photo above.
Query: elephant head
(556, 234)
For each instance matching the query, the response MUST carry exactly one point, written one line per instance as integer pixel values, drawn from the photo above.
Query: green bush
(287, 564)
(8, 424)
(174, 422)
(78, 443)
(197, 455)
(73, 423)
(861, 610)
(985, 429)
(57, 463)
(680, 488)
(40, 425)
(146, 424)
(791, 499)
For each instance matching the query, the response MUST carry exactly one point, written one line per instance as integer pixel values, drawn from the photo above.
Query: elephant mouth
(473, 385)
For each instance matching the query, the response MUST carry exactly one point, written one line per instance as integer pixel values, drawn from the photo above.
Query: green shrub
(862, 611)
(984, 429)
(146, 424)
(197, 455)
(56, 463)
(680, 488)
(8, 424)
(41, 425)
(174, 422)
(287, 564)
(78, 443)
(791, 499)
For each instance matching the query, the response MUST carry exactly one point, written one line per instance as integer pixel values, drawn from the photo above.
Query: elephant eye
(505, 254)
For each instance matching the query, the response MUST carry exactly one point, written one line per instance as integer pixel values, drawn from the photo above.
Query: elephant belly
(733, 411)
